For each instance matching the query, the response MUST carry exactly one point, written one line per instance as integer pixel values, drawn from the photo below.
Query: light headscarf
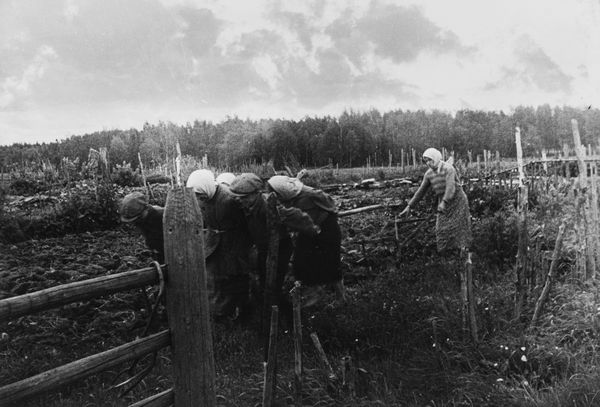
(225, 178)
(286, 188)
(202, 181)
(434, 154)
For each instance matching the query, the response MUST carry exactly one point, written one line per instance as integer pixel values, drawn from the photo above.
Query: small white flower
(523, 358)
(500, 380)
(495, 364)
(523, 348)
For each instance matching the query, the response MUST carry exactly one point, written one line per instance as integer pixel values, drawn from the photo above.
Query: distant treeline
(349, 140)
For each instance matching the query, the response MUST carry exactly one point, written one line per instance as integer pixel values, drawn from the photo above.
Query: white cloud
(15, 88)
(147, 60)
(267, 69)
(71, 10)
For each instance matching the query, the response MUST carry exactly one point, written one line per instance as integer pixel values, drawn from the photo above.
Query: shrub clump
(125, 176)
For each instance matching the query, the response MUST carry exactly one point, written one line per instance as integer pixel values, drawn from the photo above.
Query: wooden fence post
(521, 264)
(297, 301)
(271, 363)
(348, 375)
(402, 159)
(471, 298)
(555, 257)
(187, 301)
(589, 226)
(272, 292)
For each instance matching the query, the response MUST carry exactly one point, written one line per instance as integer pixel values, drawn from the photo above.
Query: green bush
(125, 176)
(158, 179)
(26, 186)
(89, 208)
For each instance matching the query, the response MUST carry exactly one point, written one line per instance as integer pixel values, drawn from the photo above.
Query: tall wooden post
(297, 301)
(588, 223)
(187, 301)
(271, 290)
(402, 159)
(595, 216)
(521, 264)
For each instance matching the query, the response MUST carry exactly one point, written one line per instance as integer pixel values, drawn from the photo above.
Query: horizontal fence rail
(79, 369)
(79, 291)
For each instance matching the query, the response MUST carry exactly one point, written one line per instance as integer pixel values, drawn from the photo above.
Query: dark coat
(152, 229)
(227, 225)
(316, 255)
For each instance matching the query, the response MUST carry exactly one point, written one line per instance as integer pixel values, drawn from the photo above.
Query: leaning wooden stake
(187, 301)
(271, 363)
(555, 257)
(162, 399)
(330, 373)
(297, 301)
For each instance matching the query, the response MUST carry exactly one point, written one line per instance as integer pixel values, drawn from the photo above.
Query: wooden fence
(189, 334)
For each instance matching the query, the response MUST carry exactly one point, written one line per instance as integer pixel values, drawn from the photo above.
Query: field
(401, 324)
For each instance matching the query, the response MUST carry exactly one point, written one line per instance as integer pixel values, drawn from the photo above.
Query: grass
(401, 327)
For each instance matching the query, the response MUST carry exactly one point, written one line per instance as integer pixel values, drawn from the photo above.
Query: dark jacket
(152, 229)
(228, 232)
(317, 254)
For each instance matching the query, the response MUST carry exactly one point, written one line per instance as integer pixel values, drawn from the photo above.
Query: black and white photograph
(308, 203)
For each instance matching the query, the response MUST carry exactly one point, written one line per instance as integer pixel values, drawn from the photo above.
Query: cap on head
(133, 206)
(245, 184)
(286, 188)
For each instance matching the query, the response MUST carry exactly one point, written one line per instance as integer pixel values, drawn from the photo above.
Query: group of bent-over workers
(236, 237)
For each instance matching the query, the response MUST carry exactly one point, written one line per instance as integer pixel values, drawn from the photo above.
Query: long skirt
(317, 258)
(453, 228)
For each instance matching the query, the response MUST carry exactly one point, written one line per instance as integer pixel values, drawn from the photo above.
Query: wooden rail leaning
(359, 210)
(65, 374)
(162, 399)
(53, 297)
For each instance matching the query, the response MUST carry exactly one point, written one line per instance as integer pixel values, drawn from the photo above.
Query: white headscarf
(434, 154)
(202, 181)
(286, 188)
(225, 178)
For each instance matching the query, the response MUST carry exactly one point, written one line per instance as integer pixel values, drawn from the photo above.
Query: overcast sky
(75, 66)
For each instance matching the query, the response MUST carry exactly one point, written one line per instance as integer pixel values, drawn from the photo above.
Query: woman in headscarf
(313, 215)
(453, 224)
(227, 245)
(225, 178)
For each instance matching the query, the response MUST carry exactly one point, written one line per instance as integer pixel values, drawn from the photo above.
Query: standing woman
(313, 215)
(453, 223)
